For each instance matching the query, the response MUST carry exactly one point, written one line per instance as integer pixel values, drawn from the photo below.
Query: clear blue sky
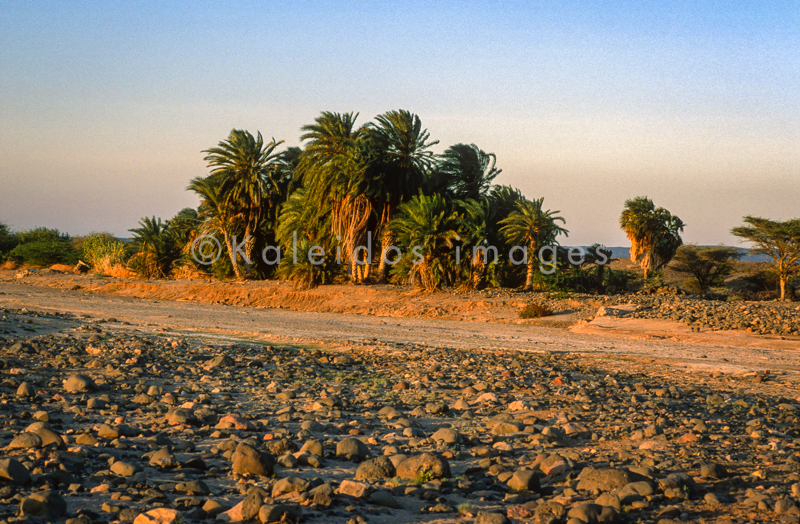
(106, 106)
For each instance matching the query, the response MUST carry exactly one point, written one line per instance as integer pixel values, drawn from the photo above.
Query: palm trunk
(232, 255)
(478, 270)
(383, 267)
(529, 276)
(248, 252)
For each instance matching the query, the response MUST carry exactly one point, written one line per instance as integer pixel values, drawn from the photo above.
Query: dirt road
(668, 342)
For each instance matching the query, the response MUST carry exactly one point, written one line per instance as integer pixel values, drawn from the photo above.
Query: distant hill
(625, 252)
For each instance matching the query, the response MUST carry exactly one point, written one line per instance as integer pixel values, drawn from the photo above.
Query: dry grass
(189, 272)
(9, 265)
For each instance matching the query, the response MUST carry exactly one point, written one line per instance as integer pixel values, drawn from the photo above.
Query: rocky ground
(108, 421)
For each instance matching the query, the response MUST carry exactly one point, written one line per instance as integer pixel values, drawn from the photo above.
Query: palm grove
(331, 210)
(350, 193)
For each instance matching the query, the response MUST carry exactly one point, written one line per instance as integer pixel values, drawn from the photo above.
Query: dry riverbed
(113, 407)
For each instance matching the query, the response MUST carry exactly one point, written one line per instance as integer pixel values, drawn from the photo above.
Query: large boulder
(426, 464)
(249, 461)
(377, 468)
(14, 472)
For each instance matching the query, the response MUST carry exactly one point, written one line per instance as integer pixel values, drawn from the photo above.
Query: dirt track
(659, 342)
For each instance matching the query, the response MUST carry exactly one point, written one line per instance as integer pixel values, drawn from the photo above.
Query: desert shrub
(8, 241)
(103, 252)
(44, 247)
(570, 279)
(618, 280)
(534, 310)
(654, 281)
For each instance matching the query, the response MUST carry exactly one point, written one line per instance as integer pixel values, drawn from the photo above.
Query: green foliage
(707, 265)
(8, 241)
(157, 252)
(44, 247)
(534, 310)
(304, 273)
(778, 240)
(654, 233)
(423, 476)
(102, 251)
(530, 226)
(184, 227)
(248, 181)
(465, 172)
(617, 280)
(425, 229)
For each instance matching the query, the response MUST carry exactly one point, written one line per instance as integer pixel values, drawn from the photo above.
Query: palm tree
(465, 171)
(216, 215)
(654, 233)
(530, 226)
(184, 227)
(246, 170)
(426, 227)
(331, 168)
(158, 250)
(404, 167)
(473, 235)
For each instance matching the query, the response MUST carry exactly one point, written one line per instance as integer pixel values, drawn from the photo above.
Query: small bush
(104, 253)
(535, 311)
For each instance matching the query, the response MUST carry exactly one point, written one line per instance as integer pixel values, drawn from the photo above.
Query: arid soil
(114, 406)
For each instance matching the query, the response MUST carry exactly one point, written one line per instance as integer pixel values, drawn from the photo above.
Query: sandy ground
(654, 342)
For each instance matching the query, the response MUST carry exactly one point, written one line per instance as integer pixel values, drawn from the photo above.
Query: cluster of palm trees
(428, 219)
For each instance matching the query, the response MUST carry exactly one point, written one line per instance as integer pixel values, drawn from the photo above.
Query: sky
(106, 107)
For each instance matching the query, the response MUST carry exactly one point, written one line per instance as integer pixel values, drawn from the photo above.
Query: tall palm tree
(531, 226)
(404, 167)
(216, 215)
(331, 168)
(426, 227)
(654, 233)
(466, 171)
(246, 170)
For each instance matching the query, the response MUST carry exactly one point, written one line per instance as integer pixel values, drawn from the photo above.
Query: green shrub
(304, 274)
(535, 311)
(8, 241)
(102, 251)
(44, 247)
(618, 280)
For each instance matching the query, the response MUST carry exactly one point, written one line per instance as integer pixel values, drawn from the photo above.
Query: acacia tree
(778, 240)
(654, 233)
(247, 171)
(531, 226)
(708, 265)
